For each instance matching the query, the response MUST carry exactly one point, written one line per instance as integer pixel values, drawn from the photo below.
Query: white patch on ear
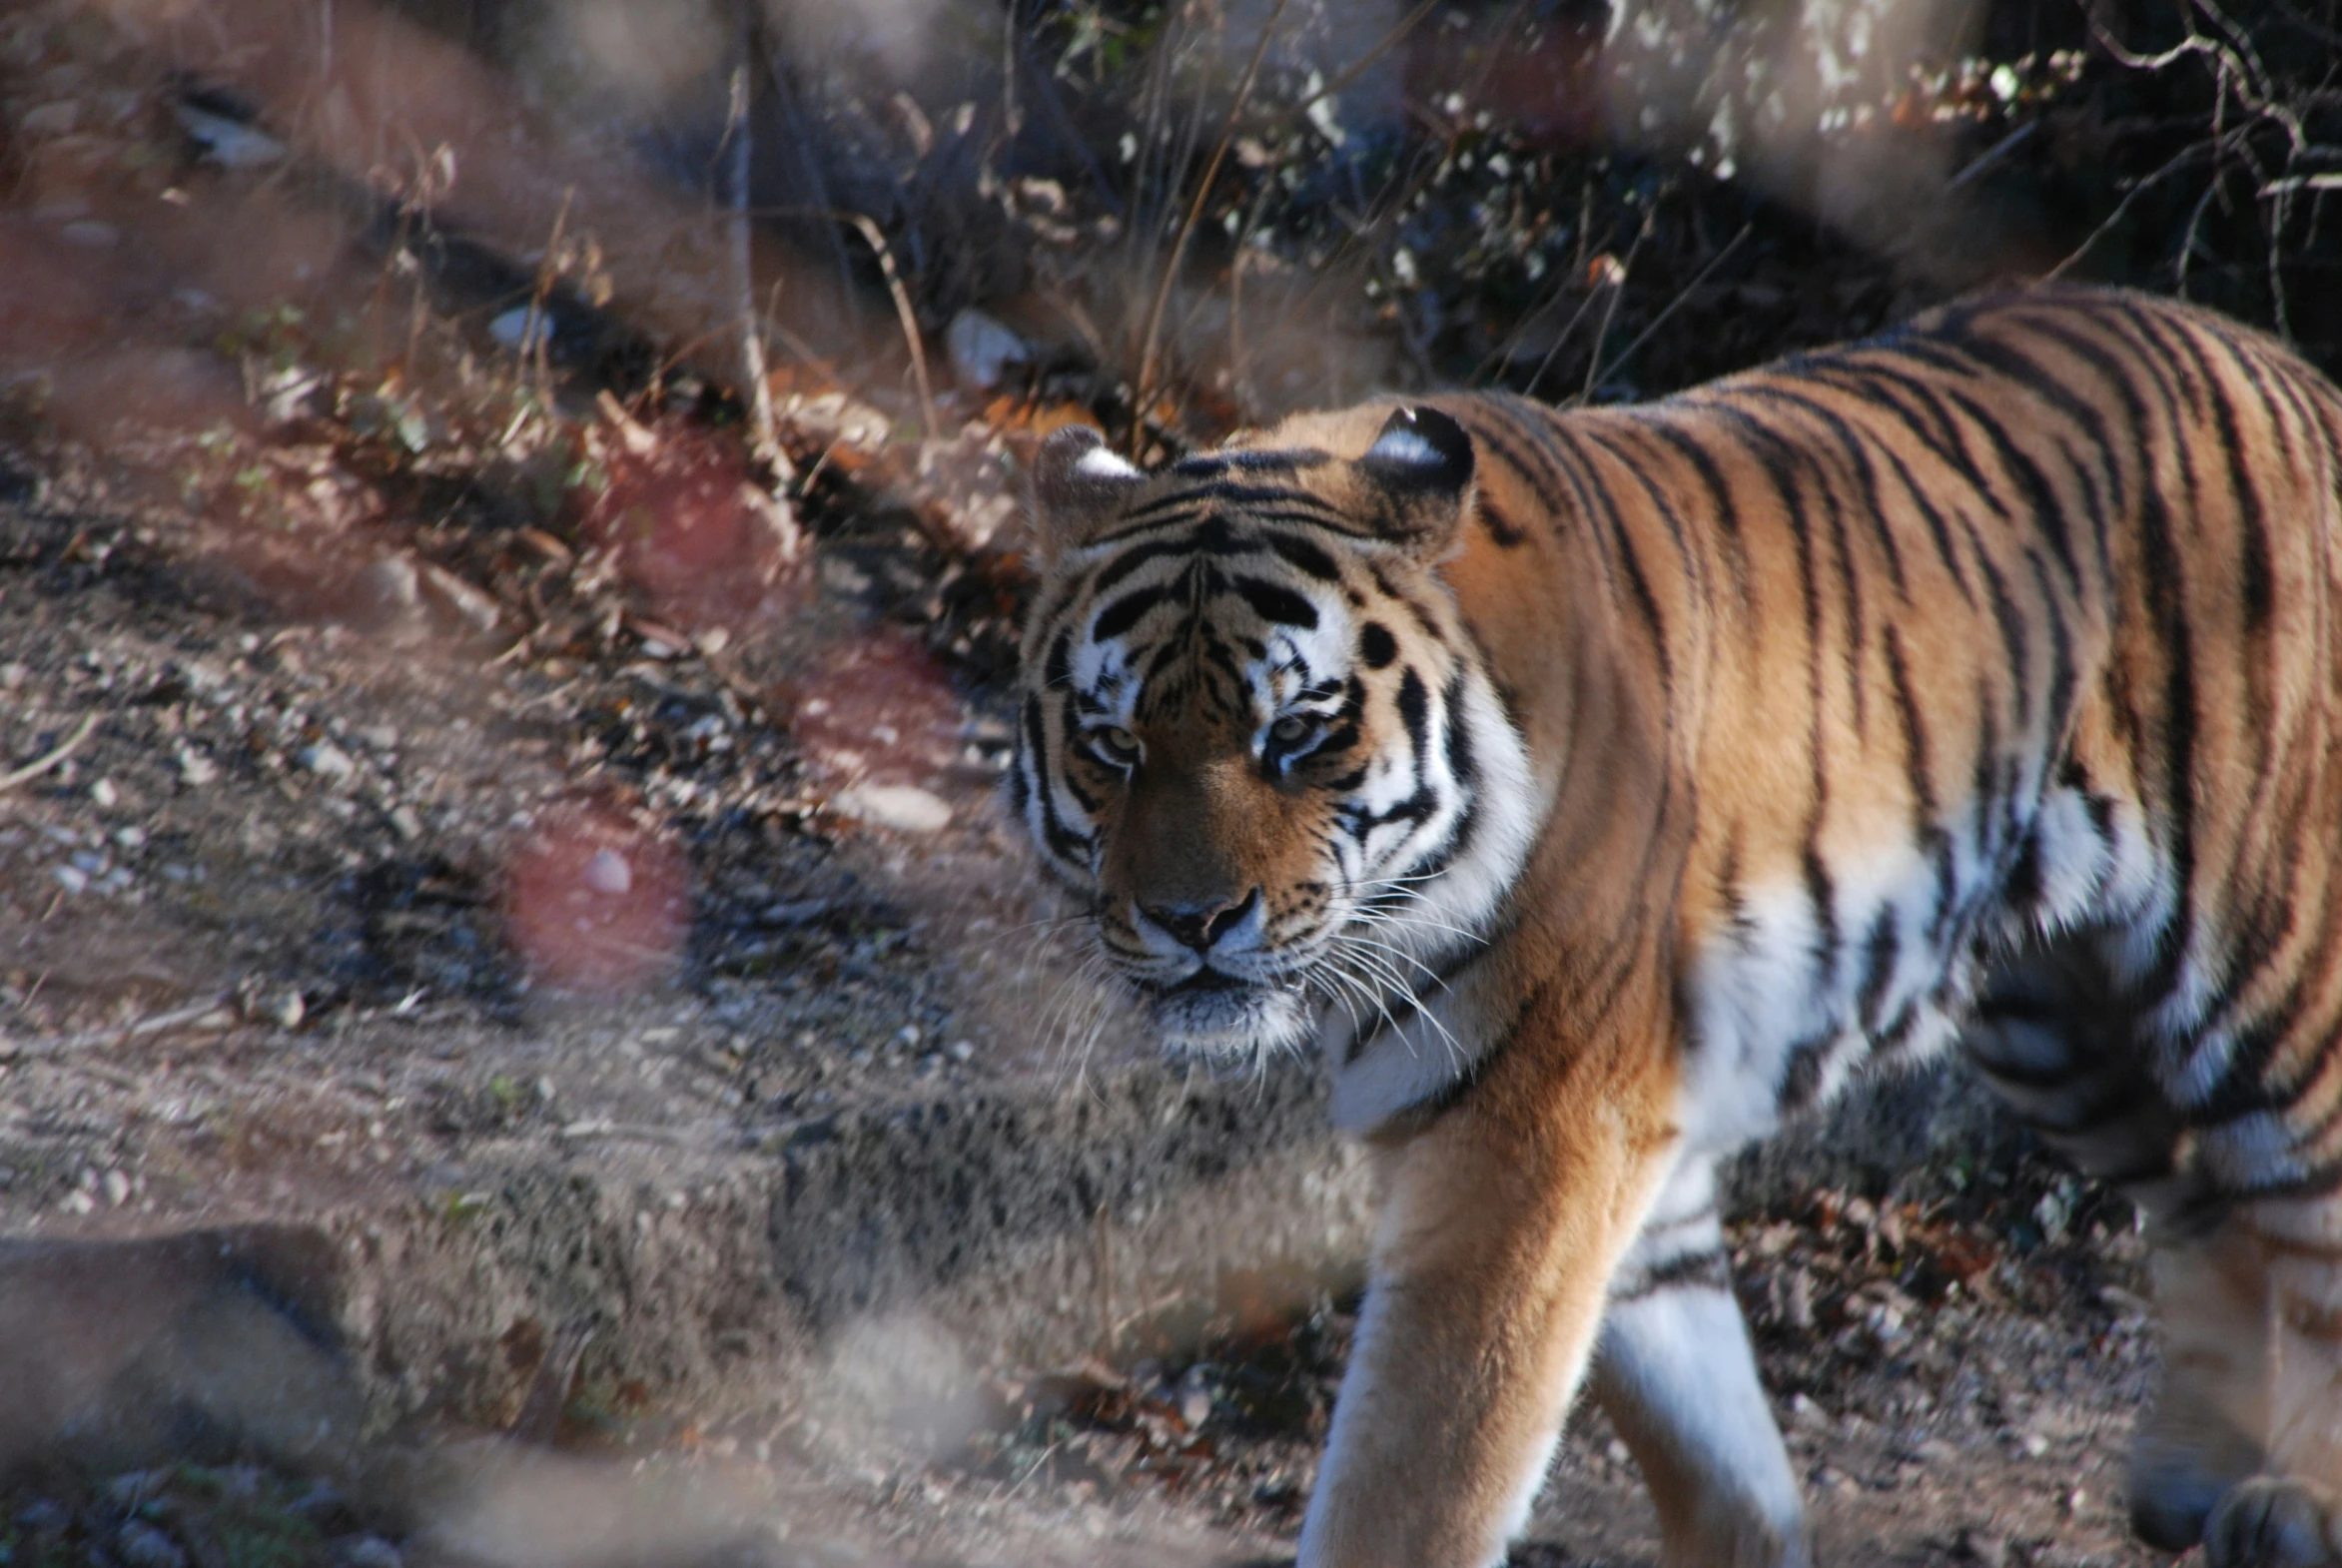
(1401, 446)
(1099, 463)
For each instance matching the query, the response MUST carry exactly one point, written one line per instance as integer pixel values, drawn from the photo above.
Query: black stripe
(1125, 612)
(1062, 841)
(1272, 601)
(1880, 952)
(1304, 555)
(1701, 1270)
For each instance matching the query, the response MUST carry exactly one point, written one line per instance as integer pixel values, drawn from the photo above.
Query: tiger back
(1599, 788)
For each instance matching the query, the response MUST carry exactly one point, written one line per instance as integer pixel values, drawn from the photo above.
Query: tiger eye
(1292, 727)
(1116, 742)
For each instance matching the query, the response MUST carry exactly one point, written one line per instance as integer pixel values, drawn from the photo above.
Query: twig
(2179, 161)
(903, 312)
(159, 1024)
(739, 162)
(1358, 67)
(1170, 268)
(42, 764)
(1682, 294)
(1992, 155)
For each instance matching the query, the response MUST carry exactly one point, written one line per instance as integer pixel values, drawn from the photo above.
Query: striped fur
(1600, 788)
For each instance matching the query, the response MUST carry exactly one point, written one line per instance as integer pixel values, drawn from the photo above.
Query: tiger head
(1253, 731)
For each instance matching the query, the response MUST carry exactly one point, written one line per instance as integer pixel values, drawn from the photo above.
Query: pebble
(522, 329)
(328, 761)
(72, 878)
(904, 807)
(1982, 1547)
(406, 823)
(57, 119)
(607, 873)
(289, 1010)
(140, 1545)
(982, 349)
(78, 1202)
(962, 1050)
(391, 589)
(117, 1187)
(195, 769)
(41, 1516)
(477, 609)
(104, 795)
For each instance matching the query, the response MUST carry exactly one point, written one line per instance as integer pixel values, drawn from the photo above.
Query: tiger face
(1251, 733)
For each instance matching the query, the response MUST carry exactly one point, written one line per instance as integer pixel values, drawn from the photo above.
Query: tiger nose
(1201, 924)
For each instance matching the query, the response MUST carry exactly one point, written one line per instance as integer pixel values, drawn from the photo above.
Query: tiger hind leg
(2055, 1044)
(1677, 1376)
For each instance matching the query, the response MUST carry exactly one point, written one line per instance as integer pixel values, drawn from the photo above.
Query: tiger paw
(2274, 1522)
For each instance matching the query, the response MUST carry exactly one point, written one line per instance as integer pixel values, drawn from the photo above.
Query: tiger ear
(1077, 484)
(1423, 463)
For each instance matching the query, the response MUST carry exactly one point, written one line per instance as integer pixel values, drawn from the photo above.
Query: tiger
(1601, 788)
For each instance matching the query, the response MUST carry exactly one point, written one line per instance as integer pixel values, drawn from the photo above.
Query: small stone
(406, 823)
(521, 328)
(1798, 1305)
(140, 1545)
(72, 878)
(104, 795)
(1616, 1452)
(1984, 1548)
(195, 769)
(117, 1187)
(367, 1551)
(377, 737)
(328, 761)
(289, 1010)
(477, 609)
(78, 1202)
(904, 807)
(2036, 1445)
(1195, 1407)
(962, 1050)
(57, 119)
(42, 1516)
(607, 873)
(131, 837)
(390, 590)
(982, 349)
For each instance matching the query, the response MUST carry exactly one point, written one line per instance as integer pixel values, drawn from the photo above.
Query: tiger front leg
(1502, 1223)
(1678, 1377)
